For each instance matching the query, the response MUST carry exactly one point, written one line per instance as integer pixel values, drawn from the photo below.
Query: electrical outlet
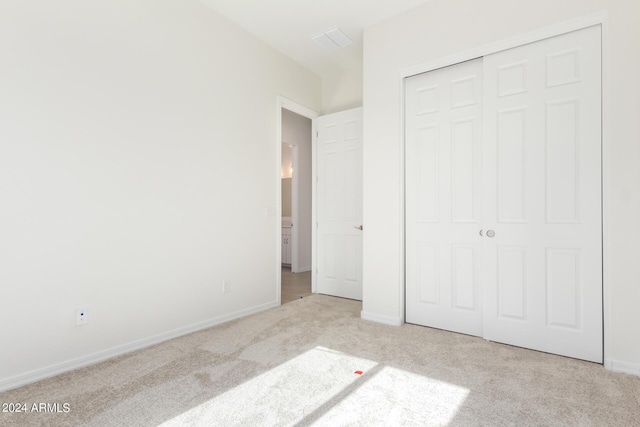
(82, 316)
(226, 287)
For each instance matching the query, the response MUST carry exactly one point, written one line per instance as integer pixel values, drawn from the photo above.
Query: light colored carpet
(296, 365)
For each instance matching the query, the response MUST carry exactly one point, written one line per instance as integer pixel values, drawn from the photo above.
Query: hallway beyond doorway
(295, 285)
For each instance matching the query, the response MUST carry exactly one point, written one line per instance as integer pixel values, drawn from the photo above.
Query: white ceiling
(288, 26)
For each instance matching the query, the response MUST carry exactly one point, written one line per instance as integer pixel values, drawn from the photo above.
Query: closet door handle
(490, 233)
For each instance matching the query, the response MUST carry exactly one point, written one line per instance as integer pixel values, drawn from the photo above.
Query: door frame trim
(598, 18)
(288, 104)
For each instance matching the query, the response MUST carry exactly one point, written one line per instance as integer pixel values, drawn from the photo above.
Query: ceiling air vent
(332, 39)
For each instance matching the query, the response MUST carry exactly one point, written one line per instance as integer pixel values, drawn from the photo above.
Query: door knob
(359, 228)
(491, 233)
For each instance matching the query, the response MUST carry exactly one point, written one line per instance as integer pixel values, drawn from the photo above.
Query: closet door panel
(443, 198)
(542, 191)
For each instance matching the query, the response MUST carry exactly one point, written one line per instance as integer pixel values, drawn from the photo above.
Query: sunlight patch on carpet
(398, 397)
(326, 387)
(288, 393)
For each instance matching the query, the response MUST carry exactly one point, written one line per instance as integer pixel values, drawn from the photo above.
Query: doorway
(296, 128)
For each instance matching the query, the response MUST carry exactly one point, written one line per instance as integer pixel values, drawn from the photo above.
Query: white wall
(127, 131)
(286, 197)
(442, 28)
(285, 174)
(296, 131)
(343, 90)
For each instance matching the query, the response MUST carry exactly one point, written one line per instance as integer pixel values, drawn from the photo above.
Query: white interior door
(514, 215)
(339, 204)
(543, 267)
(443, 198)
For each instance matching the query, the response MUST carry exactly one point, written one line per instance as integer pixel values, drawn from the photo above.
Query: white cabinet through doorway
(286, 246)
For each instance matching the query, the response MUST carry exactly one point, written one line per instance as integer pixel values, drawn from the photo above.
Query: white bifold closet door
(443, 198)
(540, 256)
(542, 172)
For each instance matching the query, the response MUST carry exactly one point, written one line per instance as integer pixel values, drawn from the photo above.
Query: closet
(503, 197)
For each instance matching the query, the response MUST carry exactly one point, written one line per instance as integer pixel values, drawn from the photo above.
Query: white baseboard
(623, 367)
(381, 318)
(100, 356)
